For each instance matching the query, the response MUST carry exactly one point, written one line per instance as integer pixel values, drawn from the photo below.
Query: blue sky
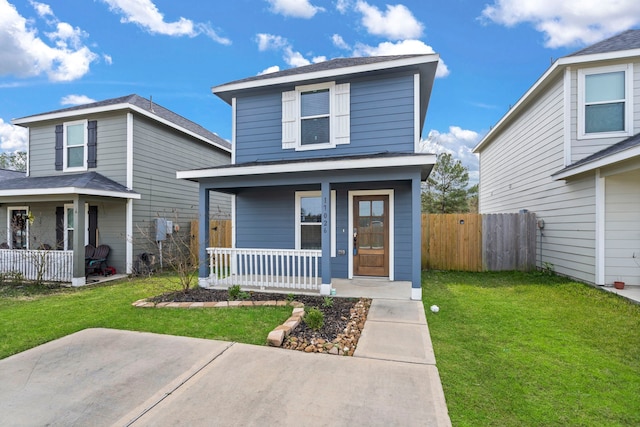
(60, 53)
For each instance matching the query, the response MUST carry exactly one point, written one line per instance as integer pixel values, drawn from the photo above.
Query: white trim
(325, 289)
(67, 190)
(9, 233)
(124, 106)
(325, 74)
(321, 165)
(567, 116)
(310, 88)
(600, 228)
(605, 161)
(416, 294)
(544, 80)
(65, 147)
(381, 192)
(298, 196)
(129, 237)
(129, 151)
(233, 220)
(628, 101)
(416, 113)
(234, 117)
(28, 151)
(78, 281)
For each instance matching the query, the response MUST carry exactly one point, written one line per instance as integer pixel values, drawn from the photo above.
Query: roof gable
(629, 39)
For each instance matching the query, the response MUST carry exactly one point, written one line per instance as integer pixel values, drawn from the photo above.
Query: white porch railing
(48, 266)
(265, 268)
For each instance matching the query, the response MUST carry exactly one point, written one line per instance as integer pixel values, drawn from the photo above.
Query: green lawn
(29, 318)
(516, 349)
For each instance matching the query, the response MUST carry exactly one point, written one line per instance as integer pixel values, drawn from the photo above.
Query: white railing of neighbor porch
(265, 268)
(47, 265)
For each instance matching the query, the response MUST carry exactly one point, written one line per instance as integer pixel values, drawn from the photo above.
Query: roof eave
(599, 163)
(557, 67)
(115, 107)
(226, 91)
(68, 190)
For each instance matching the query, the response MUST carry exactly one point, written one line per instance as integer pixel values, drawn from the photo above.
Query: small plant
(328, 302)
(234, 293)
(314, 318)
(548, 268)
(290, 298)
(244, 295)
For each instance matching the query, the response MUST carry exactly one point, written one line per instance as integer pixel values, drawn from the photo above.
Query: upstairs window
(316, 116)
(604, 102)
(76, 146)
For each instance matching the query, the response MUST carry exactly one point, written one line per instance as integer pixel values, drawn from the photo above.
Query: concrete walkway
(103, 377)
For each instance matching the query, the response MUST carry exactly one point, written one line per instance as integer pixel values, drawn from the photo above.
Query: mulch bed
(343, 319)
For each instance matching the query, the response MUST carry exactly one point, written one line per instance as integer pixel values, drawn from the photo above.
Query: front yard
(30, 318)
(518, 349)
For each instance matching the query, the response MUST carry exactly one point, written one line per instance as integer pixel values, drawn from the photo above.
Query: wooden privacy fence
(473, 242)
(219, 235)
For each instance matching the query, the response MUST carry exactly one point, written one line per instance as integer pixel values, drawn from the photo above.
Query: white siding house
(569, 150)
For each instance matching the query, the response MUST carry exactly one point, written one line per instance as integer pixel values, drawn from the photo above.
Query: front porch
(291, 271)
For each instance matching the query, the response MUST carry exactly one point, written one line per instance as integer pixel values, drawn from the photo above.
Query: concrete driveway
(103, 377)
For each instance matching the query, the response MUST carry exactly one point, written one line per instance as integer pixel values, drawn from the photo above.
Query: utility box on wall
(161, 229)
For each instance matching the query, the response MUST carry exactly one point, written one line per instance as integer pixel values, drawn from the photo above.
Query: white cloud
(43, 10)
(343, 5)
(396, 23)
(567, 22)
(272, 69)
(145, 14)
(339, 42)
(317, 59)
(459, 143)
(293, 58)
(404, 47)
(270, 41)
(76, 100)
(12, 138)
(108, 59)
(25, 54)
(295, 8)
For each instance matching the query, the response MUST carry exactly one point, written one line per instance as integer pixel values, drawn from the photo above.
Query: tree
(446, 188)
(14, 161)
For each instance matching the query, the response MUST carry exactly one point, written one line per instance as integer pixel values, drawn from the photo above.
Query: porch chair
(97, 262)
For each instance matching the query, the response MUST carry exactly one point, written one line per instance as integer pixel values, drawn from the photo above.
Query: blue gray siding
(382, 120)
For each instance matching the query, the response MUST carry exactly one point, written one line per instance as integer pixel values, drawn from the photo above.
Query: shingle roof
(86, 180)
(631, 142)
(331, 64)
(152, 108)
(9, 174)
(629, 39)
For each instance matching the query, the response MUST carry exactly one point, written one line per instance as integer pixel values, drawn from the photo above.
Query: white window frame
(10, 209)
(300, 195)
(310, 88)
(66, 224)
(628, 101)
(65, 147)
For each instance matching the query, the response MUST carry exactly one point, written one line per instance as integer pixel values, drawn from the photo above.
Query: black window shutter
(93, 225)
(92, 144)
(59, 147)
(59, 228)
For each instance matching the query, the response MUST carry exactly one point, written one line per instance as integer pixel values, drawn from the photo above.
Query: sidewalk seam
(183, 382)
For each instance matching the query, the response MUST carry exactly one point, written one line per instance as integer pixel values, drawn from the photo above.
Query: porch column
(416, 232)
(325, 287)
(79, 228)
(203, 236)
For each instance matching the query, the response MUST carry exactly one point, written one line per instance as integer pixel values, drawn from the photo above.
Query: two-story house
(325, 175)
(569, 150)
(100, 174)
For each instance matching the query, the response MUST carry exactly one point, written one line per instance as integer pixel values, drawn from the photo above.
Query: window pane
(604, 87)
(310, 209)
(364, 208)
(310, 237)
(75, 157)
(69, 240)
(377, 207)
(604, 117)
(75, 135)
(314, 103)
(315, 131)
(70, 221)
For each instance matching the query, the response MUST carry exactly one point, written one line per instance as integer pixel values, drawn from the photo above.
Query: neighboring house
(101, 173)
(325, 169)
(569, 151)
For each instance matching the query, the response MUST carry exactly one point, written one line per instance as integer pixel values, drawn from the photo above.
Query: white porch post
(325, 287)
(203, 236)
(79, 228)
(416, 232)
